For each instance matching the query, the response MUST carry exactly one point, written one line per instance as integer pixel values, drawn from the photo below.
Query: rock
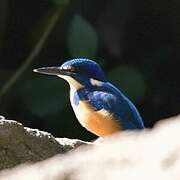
(147, 154)
(20, 144)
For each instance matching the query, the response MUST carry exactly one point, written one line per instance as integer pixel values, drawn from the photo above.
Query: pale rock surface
(147, 154)
(20, 144)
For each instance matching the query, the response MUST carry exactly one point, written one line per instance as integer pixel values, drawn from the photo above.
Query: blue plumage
(109, 98)
(99, 106)
(86, 69)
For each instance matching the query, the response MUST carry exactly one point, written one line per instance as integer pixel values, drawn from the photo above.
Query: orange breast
(100, 123)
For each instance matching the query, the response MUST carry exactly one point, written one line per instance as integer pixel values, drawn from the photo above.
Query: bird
(99, 106)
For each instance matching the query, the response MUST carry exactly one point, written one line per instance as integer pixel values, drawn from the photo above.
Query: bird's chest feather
(99, 122)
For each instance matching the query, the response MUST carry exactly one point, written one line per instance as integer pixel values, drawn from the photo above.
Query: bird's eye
(68, 68)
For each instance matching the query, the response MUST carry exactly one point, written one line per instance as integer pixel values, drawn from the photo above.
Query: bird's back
(125, 109)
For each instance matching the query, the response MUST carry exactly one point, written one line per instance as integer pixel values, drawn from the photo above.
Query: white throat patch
(72, 82)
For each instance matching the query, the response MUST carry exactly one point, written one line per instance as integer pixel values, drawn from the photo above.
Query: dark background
(136, 42)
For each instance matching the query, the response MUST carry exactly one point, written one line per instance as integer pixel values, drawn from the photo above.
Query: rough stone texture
(19, 144)
(148, 154)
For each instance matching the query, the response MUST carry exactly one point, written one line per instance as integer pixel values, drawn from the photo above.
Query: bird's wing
(118, 106)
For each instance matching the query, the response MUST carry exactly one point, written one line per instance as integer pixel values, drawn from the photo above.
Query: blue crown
(85, 67)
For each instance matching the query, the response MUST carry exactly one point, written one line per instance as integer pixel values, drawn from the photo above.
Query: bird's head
(77, 72)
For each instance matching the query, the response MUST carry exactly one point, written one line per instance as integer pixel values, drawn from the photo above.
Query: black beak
(53, 71)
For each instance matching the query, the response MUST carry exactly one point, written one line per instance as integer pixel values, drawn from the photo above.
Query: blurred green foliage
(35, 94)
(61, 2)
(130, 81)
(136, 42)
(80, 32)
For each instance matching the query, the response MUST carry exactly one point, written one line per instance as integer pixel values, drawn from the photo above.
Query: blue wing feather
(112, 100)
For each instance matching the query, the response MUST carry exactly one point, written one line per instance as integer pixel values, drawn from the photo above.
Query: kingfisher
(99, 106)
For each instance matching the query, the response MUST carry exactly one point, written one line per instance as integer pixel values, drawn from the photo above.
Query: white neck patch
(72, 82)
(95, 82)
